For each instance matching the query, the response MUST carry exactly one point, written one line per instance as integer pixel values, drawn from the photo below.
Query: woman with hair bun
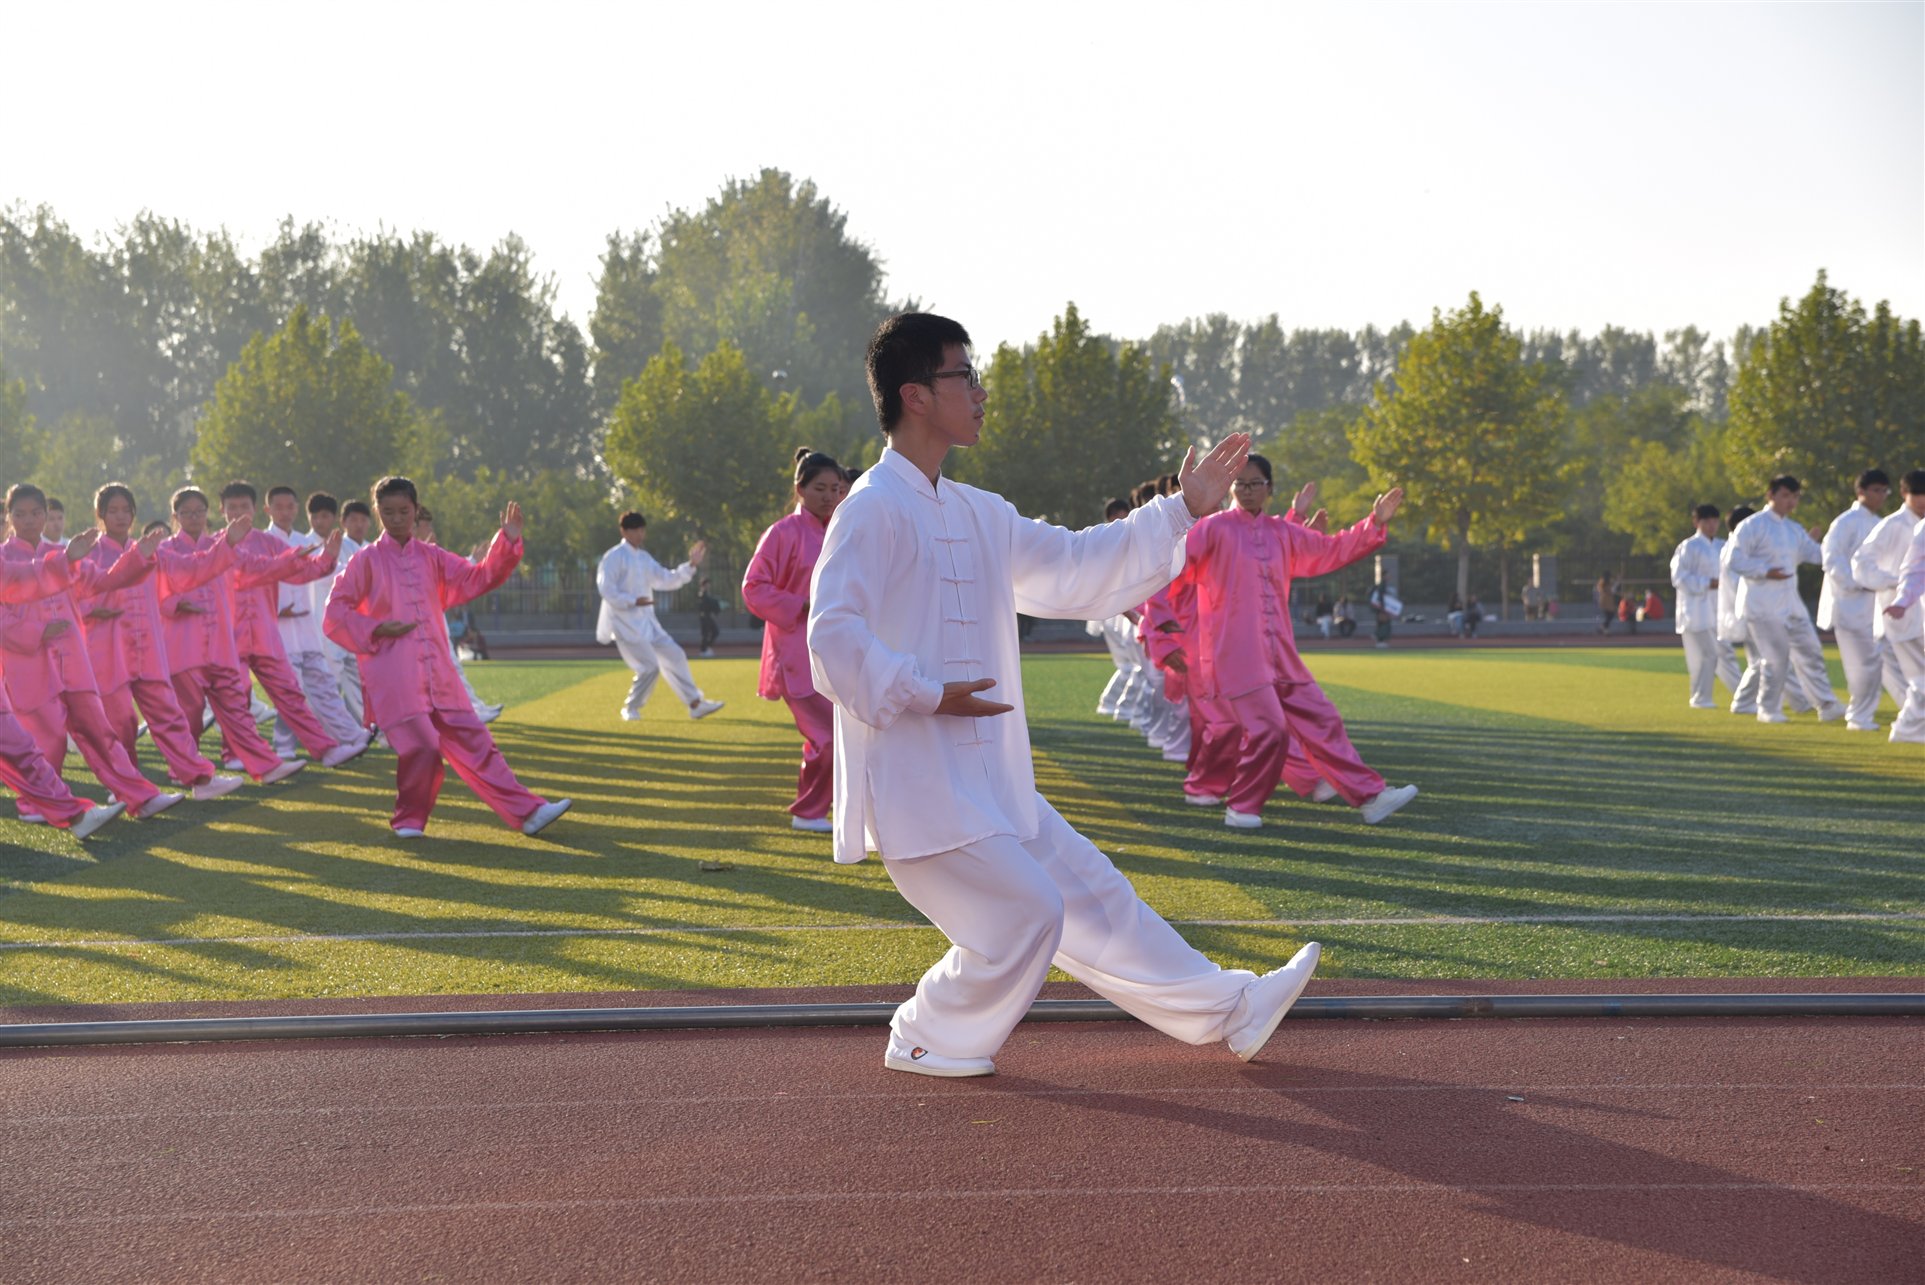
(776, 588)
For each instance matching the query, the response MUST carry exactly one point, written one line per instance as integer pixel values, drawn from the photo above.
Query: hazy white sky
(1648, 165)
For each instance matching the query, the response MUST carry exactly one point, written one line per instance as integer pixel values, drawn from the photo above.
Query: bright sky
(1647, 165)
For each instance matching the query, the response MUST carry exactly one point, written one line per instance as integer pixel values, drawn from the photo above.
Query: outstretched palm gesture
(511, 520)
(82, 544)
(1387, 505)
(1206, 481)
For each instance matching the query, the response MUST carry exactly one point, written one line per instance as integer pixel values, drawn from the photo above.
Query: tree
(310, 408)
(1072, 421)
(19, 443)
(1827, 393)
(1650, 494)
(1315, 447)
(1470, 430)
(626, 329)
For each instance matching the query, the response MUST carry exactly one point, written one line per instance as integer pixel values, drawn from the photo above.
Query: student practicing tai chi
(127, 644)
(1879, 564)
(628, 579)
(353, 519)
(1846, 607)
(298, 604)
(1243, 561)
(48, 675)
(1766, 551)
(776, 588)
(1694, 574)
(388, 609)
(912, 635)
(1908, 588)
(23, 769)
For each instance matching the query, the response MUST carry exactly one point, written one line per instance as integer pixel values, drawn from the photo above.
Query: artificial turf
(1577, 820)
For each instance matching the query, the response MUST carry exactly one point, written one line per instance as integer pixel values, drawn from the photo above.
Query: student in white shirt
(1845, 606)
(299, 623)
(355, 519)
(1695, 575)
(1766, 551)
(912, 635)
(1880, 565)
(628, 579)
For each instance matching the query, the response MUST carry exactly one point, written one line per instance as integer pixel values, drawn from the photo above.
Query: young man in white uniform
(628, 579)
(1879, 565)
(1694, 574)
(912, 635)
(1766, 551)
(354, 519)
(299, 623)
(1846, 608)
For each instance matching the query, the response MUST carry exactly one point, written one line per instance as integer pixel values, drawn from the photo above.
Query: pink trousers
(1215, 739)
(27, 773)
(1270, 719)
(422, 743)
(284, 691)
(227, 691)
(166, 724)
(815, 783)
(81, 715)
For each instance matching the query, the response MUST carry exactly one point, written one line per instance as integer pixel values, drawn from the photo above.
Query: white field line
(945, 1195)
(1411, 921)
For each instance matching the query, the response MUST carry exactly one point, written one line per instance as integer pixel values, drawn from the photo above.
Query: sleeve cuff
(925, 693)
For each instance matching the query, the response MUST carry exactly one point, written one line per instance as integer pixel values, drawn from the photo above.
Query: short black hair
(1873, 477)
(322, 502)
(155, 525)
(353, 507)
(1913, 483)
(906, 349)
(288, 491)
(1704, 511)
(108, 492)
(21, 492)
(633, 520)
(239, 490)
(1115, 506)
(55, 506)
(185, 494)
(423, 514)
(1263, 466)
(395, 485)
(1739, 512)
(1783, 482)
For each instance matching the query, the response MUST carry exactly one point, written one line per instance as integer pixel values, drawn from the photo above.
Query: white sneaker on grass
(544, 816)
(1324, 792)
(217, 787)
(284, 769)
(158, 804)
(408, 832)
(1242, 820)
(1202, 800)
(703, 708)
(815, 825)
(345, 753)
(94, 818)
(1381, 805)
(1268, 998)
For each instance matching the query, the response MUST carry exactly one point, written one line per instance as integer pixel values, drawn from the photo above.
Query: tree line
(724, 336)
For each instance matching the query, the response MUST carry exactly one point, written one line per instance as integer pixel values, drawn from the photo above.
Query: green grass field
(1577, 820)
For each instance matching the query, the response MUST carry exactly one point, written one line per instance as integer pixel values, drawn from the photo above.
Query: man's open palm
(1207, 481)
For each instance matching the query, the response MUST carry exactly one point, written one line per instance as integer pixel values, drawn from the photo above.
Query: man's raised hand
(1319, 522)
(1306, 500)
(237, 530)
(961, 700)
(150, 542)
(82, 544)
(698, 552)
(1207, 481)
(332, 547)
(1387, 505)
(511, 520)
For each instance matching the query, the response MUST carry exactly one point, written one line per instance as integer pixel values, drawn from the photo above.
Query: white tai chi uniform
(1775, 617)
(919, 585)
(1877, 564)
(1845, 607)
(1905, 632)
(347, 670)
(1694, 565)
(299, 622)
(625, 574)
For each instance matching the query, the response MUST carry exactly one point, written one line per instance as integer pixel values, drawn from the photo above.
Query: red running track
(1648, 1150)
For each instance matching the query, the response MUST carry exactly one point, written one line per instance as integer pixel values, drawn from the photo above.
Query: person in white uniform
(1846, 607)
(628, 580)
(354, 519)
(1766, 551)
(1880, 565)
(912, 635)
(1694, 574)
(299, 624)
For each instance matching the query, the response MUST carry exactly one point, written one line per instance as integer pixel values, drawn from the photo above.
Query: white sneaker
(344, 753)
(488, 713)
(34, 818)
(1241, 820)
(631, 715)
(94, 818)
(1771, 718)
(1324, 792)
(703, 708)
(1704, 705)
(815, 825)
(1178, 753)
(1384, 802)
(159, 804)
(920, 1061)
(216, 788)
(1831, 714)
(544, 816)
(1203, 800)
(407, 832)
(1268, 998)
(235, 765)
(1860, 727)
(284, 769)
(140, 731)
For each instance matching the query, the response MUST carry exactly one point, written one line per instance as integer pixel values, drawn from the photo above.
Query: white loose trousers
(1012, 907)
(1909, 654)
(1704, 658)
(661, 657)
(347, 674)
(1789, 647)
(1864, 660)
(321, 685)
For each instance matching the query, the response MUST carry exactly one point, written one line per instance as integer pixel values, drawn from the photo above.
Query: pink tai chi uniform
(264, 565)
(23, 768)
(409, 681)
(1247, 661)
(129, 650)
(51, 681)
(197, 616)
(776, 588)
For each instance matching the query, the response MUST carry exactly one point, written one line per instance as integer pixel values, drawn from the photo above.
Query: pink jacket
(264, 564)
(1242, 565)
(22, 582)
(134, 644)
(776, 588)
(414, 673)
(38, 671)
(1160, 642)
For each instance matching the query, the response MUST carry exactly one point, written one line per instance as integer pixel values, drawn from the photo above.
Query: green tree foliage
(1071, 421)
(1826, 393)
(19, 439)
(310, 408)
(1315, 447)
(626, 329)
(1657, 481)
(1471, 431)
(570, 515)
(704, 445)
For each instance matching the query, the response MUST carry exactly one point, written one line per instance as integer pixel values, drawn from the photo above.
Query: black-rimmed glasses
(970, 373)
